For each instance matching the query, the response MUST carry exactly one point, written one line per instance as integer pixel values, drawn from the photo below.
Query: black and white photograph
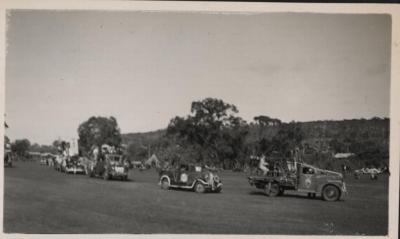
(129, 121)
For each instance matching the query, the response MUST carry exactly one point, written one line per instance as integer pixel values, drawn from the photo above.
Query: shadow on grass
(191, 190)
(304, 197)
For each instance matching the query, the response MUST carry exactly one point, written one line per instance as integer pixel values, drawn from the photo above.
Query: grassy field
(38, 199)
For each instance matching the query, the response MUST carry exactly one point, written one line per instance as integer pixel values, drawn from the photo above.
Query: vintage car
(371, 172)
(190, 177)
(108, 167)
(303, 178)
(73, 165)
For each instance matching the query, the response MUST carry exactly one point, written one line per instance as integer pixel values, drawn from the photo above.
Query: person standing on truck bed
(263, 165)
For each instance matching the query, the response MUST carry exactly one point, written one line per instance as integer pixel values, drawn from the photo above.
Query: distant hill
(142, 138)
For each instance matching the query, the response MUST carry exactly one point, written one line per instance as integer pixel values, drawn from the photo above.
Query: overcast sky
(145, 68)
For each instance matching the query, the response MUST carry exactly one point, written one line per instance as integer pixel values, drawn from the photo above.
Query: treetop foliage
(97, 131)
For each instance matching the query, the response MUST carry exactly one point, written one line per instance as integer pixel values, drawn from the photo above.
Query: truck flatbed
(287, 181)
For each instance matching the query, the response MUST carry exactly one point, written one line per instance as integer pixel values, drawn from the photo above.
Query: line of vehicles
(110, 166)
(287, 176)
(113, 166)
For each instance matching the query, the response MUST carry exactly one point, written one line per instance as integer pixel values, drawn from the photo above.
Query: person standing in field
(263, 165)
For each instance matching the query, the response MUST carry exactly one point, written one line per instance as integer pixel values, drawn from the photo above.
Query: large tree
(212, 129)
(264, 133)
(43, 148)
(288, 138)
(97, 131)
(21, 146)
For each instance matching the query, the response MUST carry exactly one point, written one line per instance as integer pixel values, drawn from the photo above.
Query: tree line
(212, 133)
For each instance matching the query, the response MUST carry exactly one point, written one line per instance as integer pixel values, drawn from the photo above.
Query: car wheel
(273, 191)
(165, 184)
(330, 193)
(218, 190)
(199, 188)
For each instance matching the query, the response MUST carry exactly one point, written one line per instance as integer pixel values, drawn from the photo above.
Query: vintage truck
(302, 178)
(111, 166)
(192, 177)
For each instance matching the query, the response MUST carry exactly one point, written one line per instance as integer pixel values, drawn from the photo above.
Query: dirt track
(40, 200)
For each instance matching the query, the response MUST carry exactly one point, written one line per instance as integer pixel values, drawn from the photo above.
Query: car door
(175, 176)
(182, 176)
(307, 178)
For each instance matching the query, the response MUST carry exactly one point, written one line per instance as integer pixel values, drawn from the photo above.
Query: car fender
(201, 181)
(167, 177)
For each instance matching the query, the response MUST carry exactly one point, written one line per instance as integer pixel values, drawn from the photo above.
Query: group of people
(277, 165)
(262, 164)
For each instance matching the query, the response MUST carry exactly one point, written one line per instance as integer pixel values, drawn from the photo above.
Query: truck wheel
(165, 184)
(330, 193)
(274, 190)
(199, 188)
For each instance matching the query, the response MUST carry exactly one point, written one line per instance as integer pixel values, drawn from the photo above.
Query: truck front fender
(335, 183)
